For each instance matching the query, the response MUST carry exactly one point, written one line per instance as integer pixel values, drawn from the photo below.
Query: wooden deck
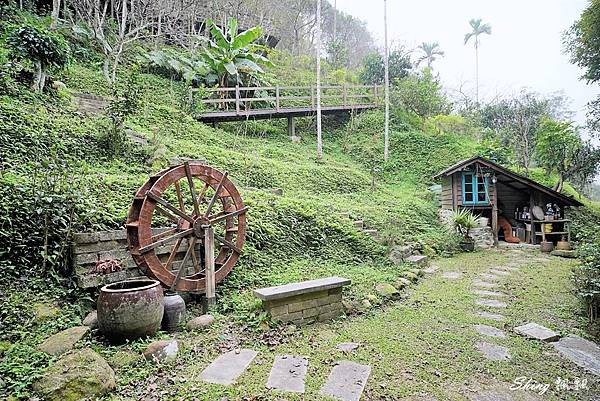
(244, 103)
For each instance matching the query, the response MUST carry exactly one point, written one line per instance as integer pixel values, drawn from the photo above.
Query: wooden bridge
(267, 102)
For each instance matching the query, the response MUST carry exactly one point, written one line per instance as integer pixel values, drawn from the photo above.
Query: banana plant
(235, 58)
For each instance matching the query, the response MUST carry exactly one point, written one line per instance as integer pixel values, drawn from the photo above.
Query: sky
(524, 50)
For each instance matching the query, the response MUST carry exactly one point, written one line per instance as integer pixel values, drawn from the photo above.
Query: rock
(411, 276)
(402, 282)
(386, 290)
(349, 306)
(162, 351)
(276, 191)
(535, 331)
(347, 347)
(419, 260)
(43, 312)
(372, 298)
(365, 304)
(418, 272)
(59, 85)
(564, 254)
(200, 322)
(91, 320)
(81, 375)
(398, 254)
(63, 341)
(452, 275)
(296, 139)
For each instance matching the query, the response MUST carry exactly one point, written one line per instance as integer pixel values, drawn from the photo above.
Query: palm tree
(430, 51)
(477, 29)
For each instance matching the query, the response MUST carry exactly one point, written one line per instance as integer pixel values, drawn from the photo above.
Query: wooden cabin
(492, 191)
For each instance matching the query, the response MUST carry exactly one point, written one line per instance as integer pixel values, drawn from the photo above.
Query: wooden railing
(283, 98)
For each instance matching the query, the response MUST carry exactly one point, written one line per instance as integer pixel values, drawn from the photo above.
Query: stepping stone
(452, 275)
(500, 273)
(431, 269)
(288, 373)
(491, 316)
(347, 347)
(492, 303)
(346, 381)
(486, 293)
(582, 352)
(507, 268)
(535, 331)
(228, 367)
(63, 341)
(484, 284)
(488, 276)
(493, 352)
(489, 331)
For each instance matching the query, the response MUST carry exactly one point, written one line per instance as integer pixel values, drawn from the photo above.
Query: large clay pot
(563, 245)
(130, 309)
(174, 312)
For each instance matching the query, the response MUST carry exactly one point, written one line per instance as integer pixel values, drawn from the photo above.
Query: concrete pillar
(291, 126)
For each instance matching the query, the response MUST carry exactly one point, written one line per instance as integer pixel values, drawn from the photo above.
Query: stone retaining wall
(90, 248)
(483, 236)
(307, 308)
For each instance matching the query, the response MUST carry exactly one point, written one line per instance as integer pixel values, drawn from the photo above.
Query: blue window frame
(474, 189)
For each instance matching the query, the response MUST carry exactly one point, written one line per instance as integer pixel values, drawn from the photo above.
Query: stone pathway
(288, 373)
(346, 381)
(490, 316)
(486, 293)
(484, 284)
(452, 275)
(491, 303)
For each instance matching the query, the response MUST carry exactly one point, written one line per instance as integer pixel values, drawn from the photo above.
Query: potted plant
(464, 221)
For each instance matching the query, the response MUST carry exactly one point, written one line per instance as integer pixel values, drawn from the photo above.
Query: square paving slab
(581, 352)
(228, 367)
(346, 381)
(537, 332)
(489, 331)
(488, 276)
(500, 272)
(493, 352)
(288, 373)
(484, 284)
(491, 316)
(492, 303)
(487, 293)
(452, 275)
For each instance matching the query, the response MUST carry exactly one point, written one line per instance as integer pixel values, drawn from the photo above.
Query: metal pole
(209, 265)
(319, 133)
(386, 135)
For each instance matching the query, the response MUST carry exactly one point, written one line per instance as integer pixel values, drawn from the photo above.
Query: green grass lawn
(421, 343)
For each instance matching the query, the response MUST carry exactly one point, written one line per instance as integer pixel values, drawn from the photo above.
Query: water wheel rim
(140, 233)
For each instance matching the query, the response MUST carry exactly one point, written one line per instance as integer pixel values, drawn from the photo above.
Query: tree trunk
(37, 78)
(559, 185)
(55, 13)
(105, 69)
(318, 40)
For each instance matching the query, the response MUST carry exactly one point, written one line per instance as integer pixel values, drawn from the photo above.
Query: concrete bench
(305, 302)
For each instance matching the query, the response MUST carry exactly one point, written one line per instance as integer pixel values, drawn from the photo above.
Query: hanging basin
(130, 309)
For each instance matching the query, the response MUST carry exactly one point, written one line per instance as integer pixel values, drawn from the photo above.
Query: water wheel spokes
(167, 222)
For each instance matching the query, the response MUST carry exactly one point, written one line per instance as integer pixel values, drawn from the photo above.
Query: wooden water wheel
(171, 222)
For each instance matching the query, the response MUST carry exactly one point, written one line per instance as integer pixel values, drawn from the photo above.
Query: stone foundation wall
(307, 308)
(483, 236)
(91, 248)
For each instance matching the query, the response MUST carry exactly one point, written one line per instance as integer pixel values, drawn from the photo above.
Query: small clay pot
(547, 247)
(174, 312)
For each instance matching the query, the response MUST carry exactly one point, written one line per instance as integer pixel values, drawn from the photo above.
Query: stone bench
(305, 302)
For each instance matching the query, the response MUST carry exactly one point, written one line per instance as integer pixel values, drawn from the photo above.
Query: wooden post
(209, 265)
(531, 205)
(495, 214)
(277, 98)
(237, 99)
